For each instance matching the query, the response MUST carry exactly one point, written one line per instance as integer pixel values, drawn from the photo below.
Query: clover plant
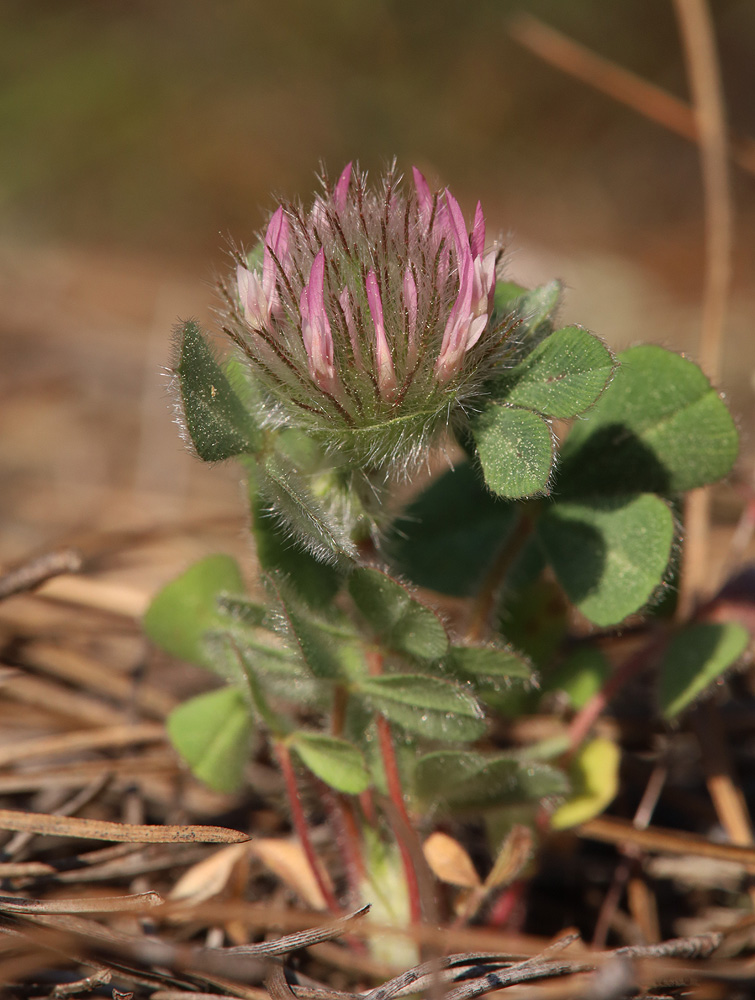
(375, 338)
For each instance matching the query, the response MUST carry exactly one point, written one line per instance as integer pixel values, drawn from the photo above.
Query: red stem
(396, 795)
(300, 825)
(586, 717)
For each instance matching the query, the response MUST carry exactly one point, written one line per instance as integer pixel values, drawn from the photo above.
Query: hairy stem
(396, 795)
(299, 821)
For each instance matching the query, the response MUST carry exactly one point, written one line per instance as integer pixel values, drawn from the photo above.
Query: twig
(78, 740)
(710, 113)
(726, 795)
(623, 872)
(610, 830)
(627, 88)
(36, 571)
(103, 904)
(69, 826)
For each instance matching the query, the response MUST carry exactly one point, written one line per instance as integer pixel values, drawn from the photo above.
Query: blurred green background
(159, 124)
(138, 136)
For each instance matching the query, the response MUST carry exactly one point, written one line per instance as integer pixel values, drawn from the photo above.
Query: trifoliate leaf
(397, 619)
(217, 421)
(695, 658)
(212, 732)
(328, 646)
(608, 554)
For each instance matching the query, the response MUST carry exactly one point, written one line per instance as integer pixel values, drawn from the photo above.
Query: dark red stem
(300, 824)
(396, 795)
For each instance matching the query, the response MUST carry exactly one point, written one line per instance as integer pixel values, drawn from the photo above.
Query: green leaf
(580, 676)
(396, 618)
(218, 423)
(515, 448)
(449, 536)
(329, 647)
(535, 617)
(316, 582)
(659, 428)
(243, 610)
(302, 518)
(464, 780)
(608, 554)
(506, 295)
(212, 732)
(594, 776)
(428, 706)
(499, 677)
(334, 761)
(696, 657)
(490, 662)
(534, 309)
(186, 608)
(561, 377)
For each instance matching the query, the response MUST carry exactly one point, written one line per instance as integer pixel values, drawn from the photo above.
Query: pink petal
(386, 373)
(477, 240)
(341, 190)
(252, 296)
(458, 227)
(345, 299)
(315, 327)
(424, 195)
(276, 240)
(410, 304)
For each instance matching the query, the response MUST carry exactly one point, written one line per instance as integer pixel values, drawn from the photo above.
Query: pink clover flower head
(369, 317)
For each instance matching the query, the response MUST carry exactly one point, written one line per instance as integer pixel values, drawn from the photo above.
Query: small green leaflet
(467, 780)
(609, 554)
(695, 658)
(218, 423)
(400, 621)
(660, 428)
(333, 760)
(186, 609)
(212, 732)
(515, 448)
(425, 705)
(561, 377)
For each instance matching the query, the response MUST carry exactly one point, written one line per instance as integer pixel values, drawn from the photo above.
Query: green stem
(485, 600)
